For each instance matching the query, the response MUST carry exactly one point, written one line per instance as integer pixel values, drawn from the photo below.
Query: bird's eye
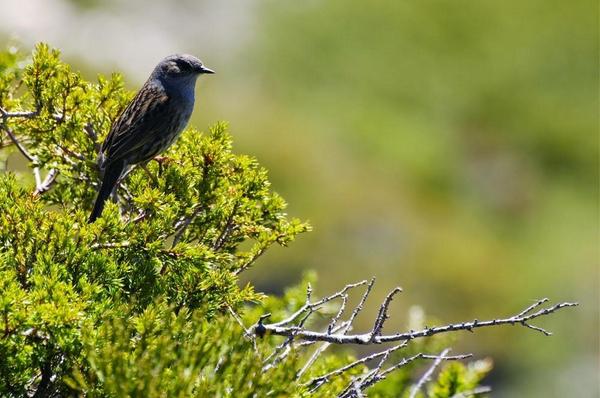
(172, 68)
(185, 67)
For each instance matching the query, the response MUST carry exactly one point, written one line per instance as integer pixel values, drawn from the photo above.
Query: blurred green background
(446, 146)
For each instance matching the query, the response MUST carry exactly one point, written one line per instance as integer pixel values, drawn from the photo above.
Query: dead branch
(316, 382)
(297, 335)
(376, 375)
(427, 375)
(382, 316)
(287, 327)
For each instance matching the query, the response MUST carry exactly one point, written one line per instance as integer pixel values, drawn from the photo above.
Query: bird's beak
(204, 69)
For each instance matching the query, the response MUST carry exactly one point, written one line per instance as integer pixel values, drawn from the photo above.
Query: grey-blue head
(179, 70)
(181, 65)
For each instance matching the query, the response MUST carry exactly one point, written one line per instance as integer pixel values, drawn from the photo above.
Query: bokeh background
(446, 146)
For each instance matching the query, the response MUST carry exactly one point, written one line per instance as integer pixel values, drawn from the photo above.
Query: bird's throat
(182, 87)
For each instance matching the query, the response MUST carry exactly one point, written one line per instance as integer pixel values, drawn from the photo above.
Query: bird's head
(181, 66)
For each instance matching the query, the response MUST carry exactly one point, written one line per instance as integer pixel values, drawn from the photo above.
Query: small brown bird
(150, 123)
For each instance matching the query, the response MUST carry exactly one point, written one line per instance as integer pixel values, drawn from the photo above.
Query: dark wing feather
(144, 119)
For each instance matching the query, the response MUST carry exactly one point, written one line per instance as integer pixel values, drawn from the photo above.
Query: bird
(150, 123)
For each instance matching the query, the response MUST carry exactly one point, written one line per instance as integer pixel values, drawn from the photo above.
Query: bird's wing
(141, 122)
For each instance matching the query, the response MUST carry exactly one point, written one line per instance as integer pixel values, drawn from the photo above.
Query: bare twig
(427, 375)
(532, 307)
(324, 346)
(473, 392)
(307, 305)
(370, 375)
(356, 389)
(361, 304)
(293, 328)
(307, 309)
(382, 315)
(345, 326)
(337, 316)
(247, 331)
(40, 186)
(283, 350)
(422, 356)
(316, 382)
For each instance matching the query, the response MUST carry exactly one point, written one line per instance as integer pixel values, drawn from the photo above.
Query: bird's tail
(111, 175)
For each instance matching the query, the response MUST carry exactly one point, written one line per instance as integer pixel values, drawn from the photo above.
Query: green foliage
(457, 378)
(138, 303)
(179, 354)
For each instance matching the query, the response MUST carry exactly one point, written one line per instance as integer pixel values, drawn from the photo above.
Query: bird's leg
(152, 177)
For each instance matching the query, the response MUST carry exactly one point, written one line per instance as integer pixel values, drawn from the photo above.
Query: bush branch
(18, 144)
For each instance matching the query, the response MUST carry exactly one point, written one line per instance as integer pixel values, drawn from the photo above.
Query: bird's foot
(163, 160)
